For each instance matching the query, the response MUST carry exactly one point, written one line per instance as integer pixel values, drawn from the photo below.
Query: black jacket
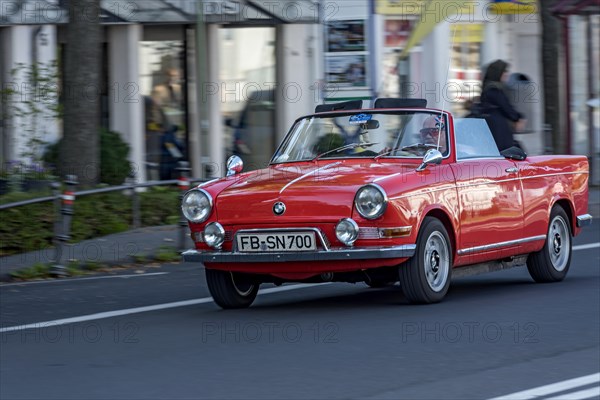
(499, 115)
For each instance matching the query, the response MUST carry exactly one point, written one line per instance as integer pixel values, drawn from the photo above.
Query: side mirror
(431, 157)
(235, 165)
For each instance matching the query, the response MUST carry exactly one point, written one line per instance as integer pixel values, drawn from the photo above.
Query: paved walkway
(121, 248)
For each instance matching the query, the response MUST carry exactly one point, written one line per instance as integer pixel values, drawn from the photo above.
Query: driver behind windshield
(433, 128)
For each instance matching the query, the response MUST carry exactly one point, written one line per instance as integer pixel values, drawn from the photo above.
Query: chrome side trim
(320, 236)
(488, 182)
(557, 174)
(495, 246)
(584, 220)
(363, 253)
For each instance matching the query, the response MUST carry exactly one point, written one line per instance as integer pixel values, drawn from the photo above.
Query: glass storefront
(585, 89)
(464, 84)
(247, 88)
(162, 87)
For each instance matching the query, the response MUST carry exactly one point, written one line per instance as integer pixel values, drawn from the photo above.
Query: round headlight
(371, 201)
(347, 231)
(214, 235)
(197, 205)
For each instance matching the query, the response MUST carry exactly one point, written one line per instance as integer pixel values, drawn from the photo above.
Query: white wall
(295, 94)
(522, 37)
(19, 46)
(127, 114)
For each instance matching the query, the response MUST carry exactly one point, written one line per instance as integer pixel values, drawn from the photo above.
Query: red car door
(491, 209)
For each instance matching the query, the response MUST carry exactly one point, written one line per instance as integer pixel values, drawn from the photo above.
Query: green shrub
(167, 254)
(36, 271)
(114, 153)
(100, 215)
(30, 228)
(25, 228)
(160, 206)
(114, 165)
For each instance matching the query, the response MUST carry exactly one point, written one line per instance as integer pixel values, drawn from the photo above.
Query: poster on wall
(346, 71)
(397, 32)
(344, 36)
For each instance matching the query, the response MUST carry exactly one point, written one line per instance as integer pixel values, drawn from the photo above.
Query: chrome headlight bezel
(208, 207)
(379, 209)
(352, 229)
(217, 232)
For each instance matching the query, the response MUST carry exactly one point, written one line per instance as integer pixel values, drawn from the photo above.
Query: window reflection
(162, 85)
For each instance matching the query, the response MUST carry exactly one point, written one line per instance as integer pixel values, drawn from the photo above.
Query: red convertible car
(398, 192)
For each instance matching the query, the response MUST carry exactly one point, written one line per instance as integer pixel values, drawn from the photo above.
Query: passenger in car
(502, 118)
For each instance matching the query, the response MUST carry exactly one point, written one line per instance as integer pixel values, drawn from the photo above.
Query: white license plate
(276, 242)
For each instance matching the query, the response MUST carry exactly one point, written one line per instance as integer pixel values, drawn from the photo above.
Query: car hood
(322, 192)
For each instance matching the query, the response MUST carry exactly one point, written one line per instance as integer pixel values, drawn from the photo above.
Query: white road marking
(552, 388)
(92, 278)
(137, 310)
(586, 246)
(580, 395)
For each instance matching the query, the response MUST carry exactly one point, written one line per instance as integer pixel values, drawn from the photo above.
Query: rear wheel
(425, 278)
(552, 263)
(231, 290)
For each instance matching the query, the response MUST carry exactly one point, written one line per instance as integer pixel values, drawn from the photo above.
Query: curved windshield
(403, 134)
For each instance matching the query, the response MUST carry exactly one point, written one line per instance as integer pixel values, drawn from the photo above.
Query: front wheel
(552, 263)
(425, 278)
(230, 290)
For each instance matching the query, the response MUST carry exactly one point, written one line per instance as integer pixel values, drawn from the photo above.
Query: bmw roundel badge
(279, 208)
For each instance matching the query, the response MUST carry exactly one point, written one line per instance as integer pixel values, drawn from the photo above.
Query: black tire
(229, 290)
(425, 277)
(552, 263)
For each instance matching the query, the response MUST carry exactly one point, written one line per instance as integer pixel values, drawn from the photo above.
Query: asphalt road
(493, 335)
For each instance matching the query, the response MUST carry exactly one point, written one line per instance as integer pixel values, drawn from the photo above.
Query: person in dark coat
(171, 153)
(501, 116)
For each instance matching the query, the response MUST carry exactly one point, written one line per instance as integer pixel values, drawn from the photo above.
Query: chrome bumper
(584, 220)
(369, 253)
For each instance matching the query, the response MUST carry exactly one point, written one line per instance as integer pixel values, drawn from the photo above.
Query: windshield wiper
(345, 147)
(384, 153)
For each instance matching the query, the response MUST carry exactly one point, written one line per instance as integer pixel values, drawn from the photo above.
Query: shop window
(162, 86)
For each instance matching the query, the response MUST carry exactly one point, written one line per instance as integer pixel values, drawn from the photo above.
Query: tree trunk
(80, 149)
(553, 90)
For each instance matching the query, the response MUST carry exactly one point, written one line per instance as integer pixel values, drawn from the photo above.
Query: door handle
(512, 170)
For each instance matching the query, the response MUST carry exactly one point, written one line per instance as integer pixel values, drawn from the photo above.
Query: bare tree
(551, 58)
(80, 149)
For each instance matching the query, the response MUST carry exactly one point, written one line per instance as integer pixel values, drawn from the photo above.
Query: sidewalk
(121, 248)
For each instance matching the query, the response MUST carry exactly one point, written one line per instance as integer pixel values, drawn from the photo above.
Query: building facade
(217, 77)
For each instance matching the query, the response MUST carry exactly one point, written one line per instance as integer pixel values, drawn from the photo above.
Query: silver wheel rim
(559, 243)
(243, 289)
(436, 261)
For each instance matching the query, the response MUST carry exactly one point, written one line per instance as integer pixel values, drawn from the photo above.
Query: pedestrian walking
(502, 118)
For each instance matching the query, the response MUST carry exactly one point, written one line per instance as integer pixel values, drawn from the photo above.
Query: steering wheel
(419, 146)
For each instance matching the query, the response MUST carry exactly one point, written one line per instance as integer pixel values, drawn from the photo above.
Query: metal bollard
(57, 218)
(184, 185)
(135, 201)
(68, 199)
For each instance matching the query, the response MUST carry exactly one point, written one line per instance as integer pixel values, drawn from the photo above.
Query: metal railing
(63, 206)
